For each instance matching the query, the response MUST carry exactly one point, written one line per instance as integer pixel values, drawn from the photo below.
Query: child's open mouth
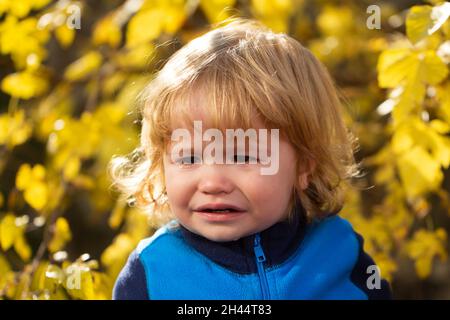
(219, 212)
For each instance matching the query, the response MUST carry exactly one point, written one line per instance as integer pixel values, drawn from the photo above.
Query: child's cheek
(262, 185)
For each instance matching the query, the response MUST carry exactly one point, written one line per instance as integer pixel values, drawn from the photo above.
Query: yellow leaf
(384, 174)
(103, 285)
(117, 215)
(402, 140)
(23, 39)
(393, 67)
(116, 254)
(115, 81)
(423, 21)
(38, 172)
(84, 66)
(144, 27)
(174, 18)
(4, 267)
(217, 10)
(8, 231)
(14, 129)
(80, 282)
(138, 56)
(419, 172)
(335, 21)
(38, 282)
(54, 275)
(410, 72)
(83, 181)
(440, 148)
(432, 69)
(277, 24)
(20, 8)
(24, 85)
(387, 265)
(274, 14)
(428, 136)
(23, 177)
(37, 195)
(271, 8)
(65, 35)
(440, 126)
(38, 4)
(424, 246)
(423, 266)
(443, 94)
(107, 31)
(22, 248)
(5, 270)
(61, 235)
(72, 168)
(31, 181)
(87, 286)
(398, 65)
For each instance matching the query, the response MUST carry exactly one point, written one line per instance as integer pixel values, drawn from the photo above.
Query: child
(234, 231)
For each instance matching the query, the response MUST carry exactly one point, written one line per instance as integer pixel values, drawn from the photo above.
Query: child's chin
(223, 237)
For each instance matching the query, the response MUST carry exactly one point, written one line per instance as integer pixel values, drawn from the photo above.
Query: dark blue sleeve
(131, 283)
(360, 275)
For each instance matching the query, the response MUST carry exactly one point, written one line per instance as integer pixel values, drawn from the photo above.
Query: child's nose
(214, 180)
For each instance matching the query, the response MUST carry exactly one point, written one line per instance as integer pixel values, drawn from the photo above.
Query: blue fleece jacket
(290, 260)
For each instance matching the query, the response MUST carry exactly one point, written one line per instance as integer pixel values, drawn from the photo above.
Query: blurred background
(70, 72)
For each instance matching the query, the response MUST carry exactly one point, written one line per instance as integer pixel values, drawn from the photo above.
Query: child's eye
(244, 159)
(189, 160)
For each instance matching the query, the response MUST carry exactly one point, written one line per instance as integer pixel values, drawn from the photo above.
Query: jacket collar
(278, 243)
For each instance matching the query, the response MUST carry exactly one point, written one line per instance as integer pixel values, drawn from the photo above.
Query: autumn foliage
(70, 75)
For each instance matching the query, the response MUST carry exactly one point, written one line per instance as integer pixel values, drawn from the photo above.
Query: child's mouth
(220, 215)
(219, 212)
(219, 208)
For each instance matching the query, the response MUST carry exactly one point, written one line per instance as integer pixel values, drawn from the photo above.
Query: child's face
(262, 199)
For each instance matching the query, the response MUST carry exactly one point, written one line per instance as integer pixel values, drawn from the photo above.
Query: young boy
(256, 220)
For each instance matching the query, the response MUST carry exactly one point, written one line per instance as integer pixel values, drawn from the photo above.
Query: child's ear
(303, 179)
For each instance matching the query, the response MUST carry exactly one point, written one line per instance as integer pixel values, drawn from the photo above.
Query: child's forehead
(199, 106)
(201, 118)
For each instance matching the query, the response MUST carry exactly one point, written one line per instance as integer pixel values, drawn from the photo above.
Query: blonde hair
(248, 70)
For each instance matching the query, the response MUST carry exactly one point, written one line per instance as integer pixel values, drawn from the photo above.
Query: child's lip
(224, 216)
(219, 206)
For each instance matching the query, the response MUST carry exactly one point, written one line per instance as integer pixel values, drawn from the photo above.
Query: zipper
(260, 258)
